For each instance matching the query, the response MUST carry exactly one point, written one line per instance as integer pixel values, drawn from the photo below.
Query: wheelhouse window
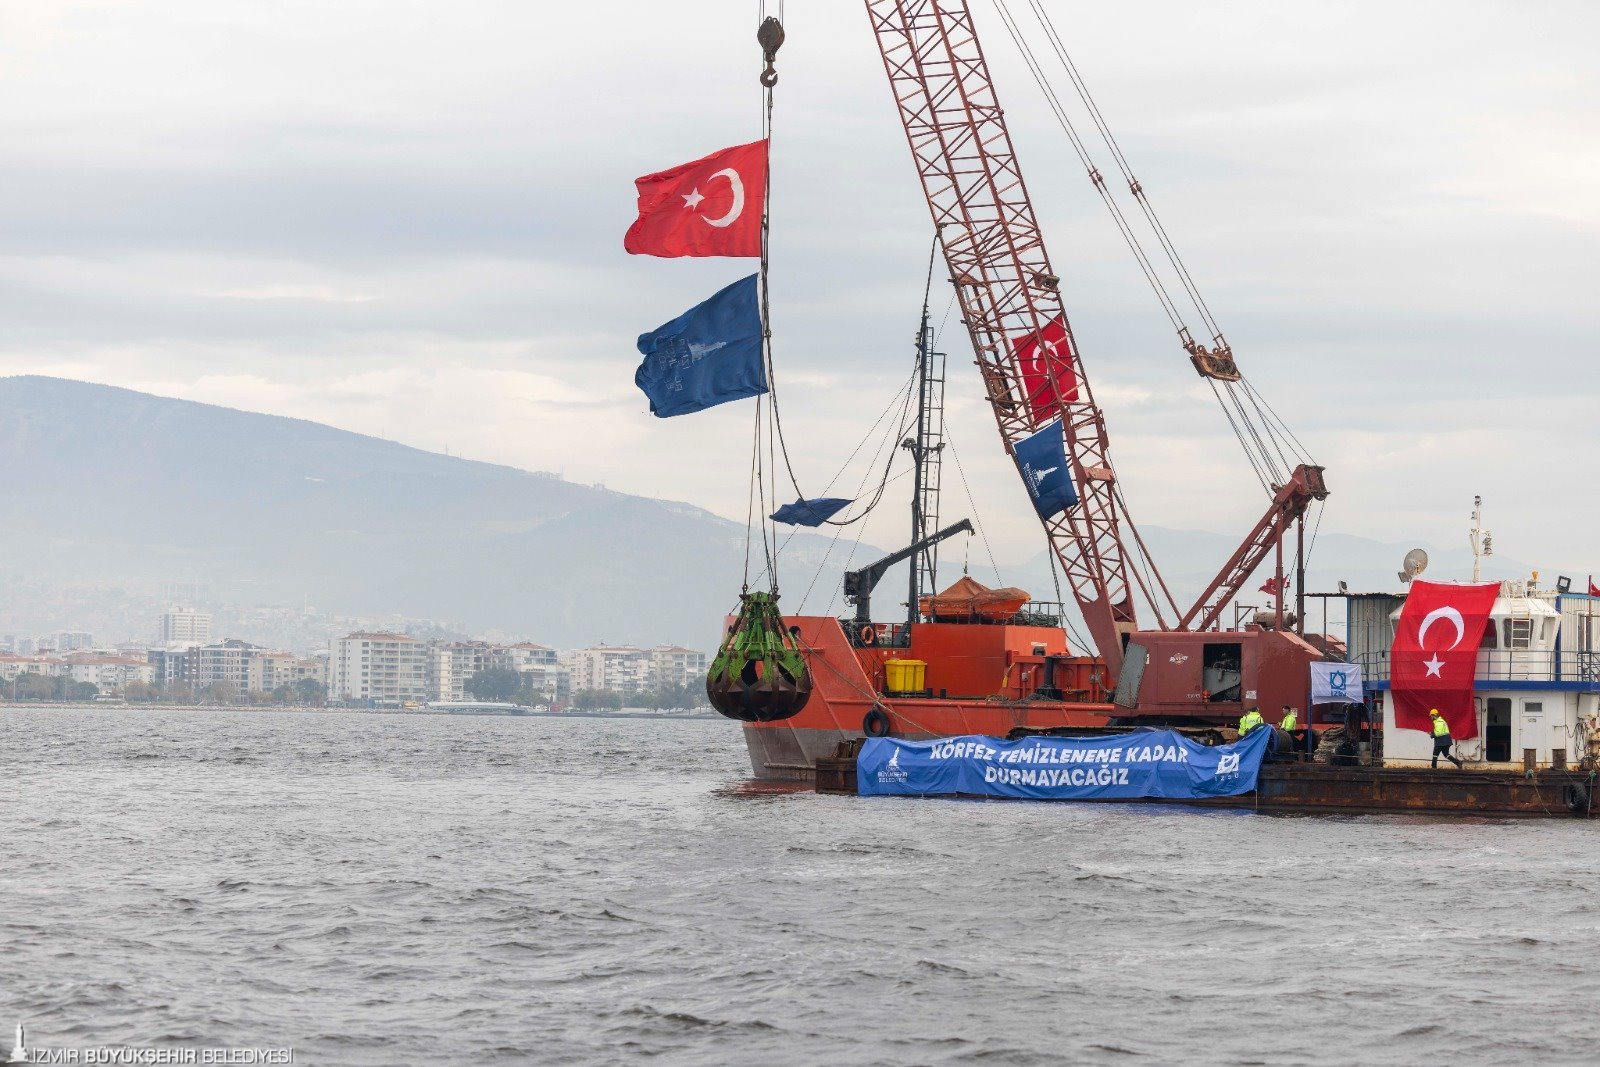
(1519, 633)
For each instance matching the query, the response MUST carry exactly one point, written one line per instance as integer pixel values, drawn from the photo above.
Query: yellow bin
(905, 675)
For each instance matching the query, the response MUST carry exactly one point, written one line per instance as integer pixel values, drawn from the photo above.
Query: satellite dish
(1415, 563)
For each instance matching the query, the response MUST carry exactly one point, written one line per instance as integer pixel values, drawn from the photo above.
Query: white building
(619, 668)
(385, 668)
(185, 626)
(13, 665)
(111, 675)
(267, 671)
(451, 665)
(521, 657)
(677, 666)
(540, 667)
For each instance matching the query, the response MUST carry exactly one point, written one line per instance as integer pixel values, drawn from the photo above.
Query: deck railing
(1506, 665)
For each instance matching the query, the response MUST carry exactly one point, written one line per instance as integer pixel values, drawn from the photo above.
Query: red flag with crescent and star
(1045, 362)
(1436, 654)
(710, 207)
(1594, 590)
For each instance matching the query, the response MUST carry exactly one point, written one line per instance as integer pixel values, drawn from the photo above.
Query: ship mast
(927, 450)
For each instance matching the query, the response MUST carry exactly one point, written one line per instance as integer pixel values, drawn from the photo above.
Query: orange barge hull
(980, 679)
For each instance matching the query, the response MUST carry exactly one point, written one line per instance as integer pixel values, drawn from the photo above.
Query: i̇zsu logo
(1228, 766)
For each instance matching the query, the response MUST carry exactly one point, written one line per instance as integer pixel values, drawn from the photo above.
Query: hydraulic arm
(858, 585)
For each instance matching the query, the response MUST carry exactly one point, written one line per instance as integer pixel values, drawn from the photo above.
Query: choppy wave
(384, 889)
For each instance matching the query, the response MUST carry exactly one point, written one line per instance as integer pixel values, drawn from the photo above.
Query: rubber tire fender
(1576, 796)
(876, 723)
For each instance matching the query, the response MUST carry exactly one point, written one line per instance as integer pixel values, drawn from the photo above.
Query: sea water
(386, 889)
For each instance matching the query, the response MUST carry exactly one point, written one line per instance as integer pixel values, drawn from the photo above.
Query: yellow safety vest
(1290, 721)
(1250, 721)
(1440, 727)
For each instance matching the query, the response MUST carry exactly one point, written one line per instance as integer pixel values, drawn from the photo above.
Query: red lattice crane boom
(1004, 281)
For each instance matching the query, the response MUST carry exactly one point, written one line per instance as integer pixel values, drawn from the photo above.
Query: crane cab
(1200, 677)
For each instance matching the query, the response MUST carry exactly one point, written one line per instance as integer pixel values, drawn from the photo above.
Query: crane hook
(770, 38)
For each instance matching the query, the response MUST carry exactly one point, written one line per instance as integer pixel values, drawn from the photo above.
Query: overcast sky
(406, 218)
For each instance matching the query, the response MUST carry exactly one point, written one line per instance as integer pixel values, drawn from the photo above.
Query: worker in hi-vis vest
(1442, 740)
(1290, 721)
(1250, 721)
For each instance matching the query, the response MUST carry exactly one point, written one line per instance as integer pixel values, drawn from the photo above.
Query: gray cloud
(408, 221)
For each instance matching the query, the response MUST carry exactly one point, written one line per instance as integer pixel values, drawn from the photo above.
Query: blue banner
(811, 512)
(709, 355)
(1042, 459)
(1147, 763)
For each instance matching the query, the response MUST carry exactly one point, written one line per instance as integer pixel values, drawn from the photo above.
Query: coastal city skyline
(364, 668)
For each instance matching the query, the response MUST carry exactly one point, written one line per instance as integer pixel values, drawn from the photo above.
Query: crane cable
(775, 422)
(1265, 439)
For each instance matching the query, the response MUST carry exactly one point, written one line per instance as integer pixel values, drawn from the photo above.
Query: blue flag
(810, 512)
(709, 355)
(1144, 763)
(1042, 459)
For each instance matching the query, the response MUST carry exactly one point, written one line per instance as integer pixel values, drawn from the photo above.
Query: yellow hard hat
(1433, 711)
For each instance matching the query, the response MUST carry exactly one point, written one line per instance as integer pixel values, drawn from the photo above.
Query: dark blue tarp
(1147, 763)
(812, 511)
(709, 355)
(1042, 459)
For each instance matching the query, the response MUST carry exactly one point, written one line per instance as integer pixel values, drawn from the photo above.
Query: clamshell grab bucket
(758, 674)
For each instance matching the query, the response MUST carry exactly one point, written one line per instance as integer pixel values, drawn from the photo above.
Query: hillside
(107, 485)
(121, 490)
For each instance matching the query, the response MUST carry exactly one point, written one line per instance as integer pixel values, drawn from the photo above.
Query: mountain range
(110, 486)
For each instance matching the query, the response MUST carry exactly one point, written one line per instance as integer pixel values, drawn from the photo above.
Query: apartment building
(619, 668)
(384, 668)
(451, 665)
(270, 670)
(111, 675)
(184, 626)
(227, 662)
(675, 665)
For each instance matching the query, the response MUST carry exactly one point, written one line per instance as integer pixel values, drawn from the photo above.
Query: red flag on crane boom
(1046, 363)
(709, 207)
(1436, 654)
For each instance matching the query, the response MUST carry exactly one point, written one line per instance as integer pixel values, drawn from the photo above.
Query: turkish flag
(711, 207)
(1436, 654)
(1594, 590)
(1045, 360)
(1275, 585)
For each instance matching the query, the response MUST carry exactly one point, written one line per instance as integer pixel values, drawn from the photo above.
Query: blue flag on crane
(811, 511)
(1042, 459)
(709, 355)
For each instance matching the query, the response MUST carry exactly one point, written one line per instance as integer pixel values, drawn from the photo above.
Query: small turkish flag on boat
(1275, 585)
(1045, 361)
(710, 207)
(1436, 654)
(1594, 590)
